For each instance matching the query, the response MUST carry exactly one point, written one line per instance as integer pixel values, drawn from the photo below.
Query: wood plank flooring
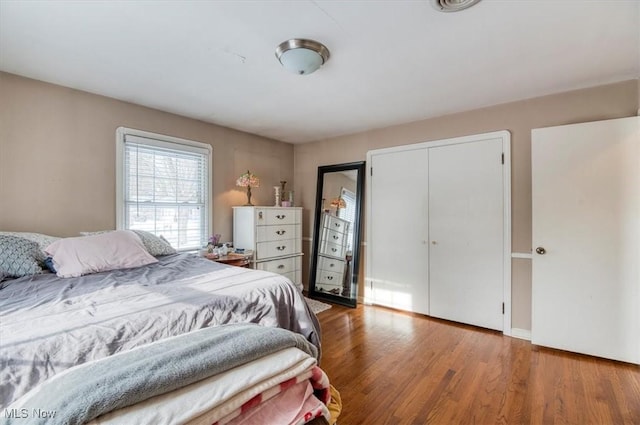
(392, 367)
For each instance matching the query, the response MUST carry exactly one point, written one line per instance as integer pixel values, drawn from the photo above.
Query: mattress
(49, 324)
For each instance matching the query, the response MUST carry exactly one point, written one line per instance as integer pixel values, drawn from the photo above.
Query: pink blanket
(295, 401)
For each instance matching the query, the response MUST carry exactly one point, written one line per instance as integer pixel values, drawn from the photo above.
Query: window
(163, 187)
(349, 213)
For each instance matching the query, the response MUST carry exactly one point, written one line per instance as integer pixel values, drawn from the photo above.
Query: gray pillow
(156, 245)
(43, 241)
(19, 256)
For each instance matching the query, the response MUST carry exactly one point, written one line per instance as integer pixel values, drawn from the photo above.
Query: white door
(398, 269)
(586, 229)
(466, 233)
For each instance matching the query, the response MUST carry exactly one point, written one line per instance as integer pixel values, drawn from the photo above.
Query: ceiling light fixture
(452, 5)
(302, 56)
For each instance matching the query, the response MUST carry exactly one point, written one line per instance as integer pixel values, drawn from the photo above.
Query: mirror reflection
(334, 264)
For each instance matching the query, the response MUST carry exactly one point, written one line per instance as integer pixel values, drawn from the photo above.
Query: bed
(57, 331)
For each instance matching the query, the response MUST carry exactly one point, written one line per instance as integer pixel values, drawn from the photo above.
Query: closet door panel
(399, 270)
(466, 233)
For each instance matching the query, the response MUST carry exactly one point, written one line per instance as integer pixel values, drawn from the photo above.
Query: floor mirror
(336, 237)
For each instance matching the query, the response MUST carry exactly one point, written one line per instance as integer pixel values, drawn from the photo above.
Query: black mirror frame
(322, 170)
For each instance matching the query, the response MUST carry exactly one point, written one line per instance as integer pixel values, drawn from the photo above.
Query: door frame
(505, 137)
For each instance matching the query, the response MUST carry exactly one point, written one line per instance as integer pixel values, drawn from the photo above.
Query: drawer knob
(280, 216)
(281, 232)
(337, 224)
(335, 237)
(280, 248)
(329, 277)
(260, 215)
(334, 249)
(281, 266)
(331, 265)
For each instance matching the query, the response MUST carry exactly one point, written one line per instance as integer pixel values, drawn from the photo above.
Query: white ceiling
(391, 61)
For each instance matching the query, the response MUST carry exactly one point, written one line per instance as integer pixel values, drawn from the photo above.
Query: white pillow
(121, 249)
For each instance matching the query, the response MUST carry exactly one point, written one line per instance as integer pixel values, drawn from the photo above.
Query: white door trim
(506, 169)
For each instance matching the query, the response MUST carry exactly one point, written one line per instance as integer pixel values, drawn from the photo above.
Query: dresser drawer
(333, 236)
(280, 266)
(336, 224)
(290, 268)
(330, 264)
(275, 216)
(329, 278)
(331, 249)
(296, 278)
(275, 249)
(276, 233)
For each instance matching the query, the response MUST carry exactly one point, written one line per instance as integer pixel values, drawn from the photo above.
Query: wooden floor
(392, 367)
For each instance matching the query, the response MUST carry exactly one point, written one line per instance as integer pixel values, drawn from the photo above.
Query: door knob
(540, 250)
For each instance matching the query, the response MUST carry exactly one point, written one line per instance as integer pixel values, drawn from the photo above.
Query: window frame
(348, 194)
(159, 140)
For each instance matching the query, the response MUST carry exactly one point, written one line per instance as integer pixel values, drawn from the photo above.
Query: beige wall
(57, 158)
(598, 103)
(333, 184)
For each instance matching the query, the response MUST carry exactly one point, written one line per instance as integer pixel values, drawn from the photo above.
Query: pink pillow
(121, 249)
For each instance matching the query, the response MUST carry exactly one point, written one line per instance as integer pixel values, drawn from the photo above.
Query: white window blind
(349, 213)
(165, 189)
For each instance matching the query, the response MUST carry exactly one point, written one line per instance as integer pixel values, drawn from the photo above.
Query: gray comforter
(48, 324)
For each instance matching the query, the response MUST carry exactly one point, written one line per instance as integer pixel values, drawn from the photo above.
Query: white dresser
(332, 251)
(274, 234)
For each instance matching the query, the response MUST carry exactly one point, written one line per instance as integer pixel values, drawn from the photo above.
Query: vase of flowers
(213, 243)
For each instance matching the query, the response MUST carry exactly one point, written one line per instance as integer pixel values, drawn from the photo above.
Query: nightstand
(238, 260)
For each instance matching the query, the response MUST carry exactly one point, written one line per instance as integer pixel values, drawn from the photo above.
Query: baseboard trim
(521, 333)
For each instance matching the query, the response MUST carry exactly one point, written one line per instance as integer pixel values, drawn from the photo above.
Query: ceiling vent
(452, 5)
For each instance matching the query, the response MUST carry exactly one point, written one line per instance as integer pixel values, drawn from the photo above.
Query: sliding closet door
(398, 269)
(466, 233)
(586, 233)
